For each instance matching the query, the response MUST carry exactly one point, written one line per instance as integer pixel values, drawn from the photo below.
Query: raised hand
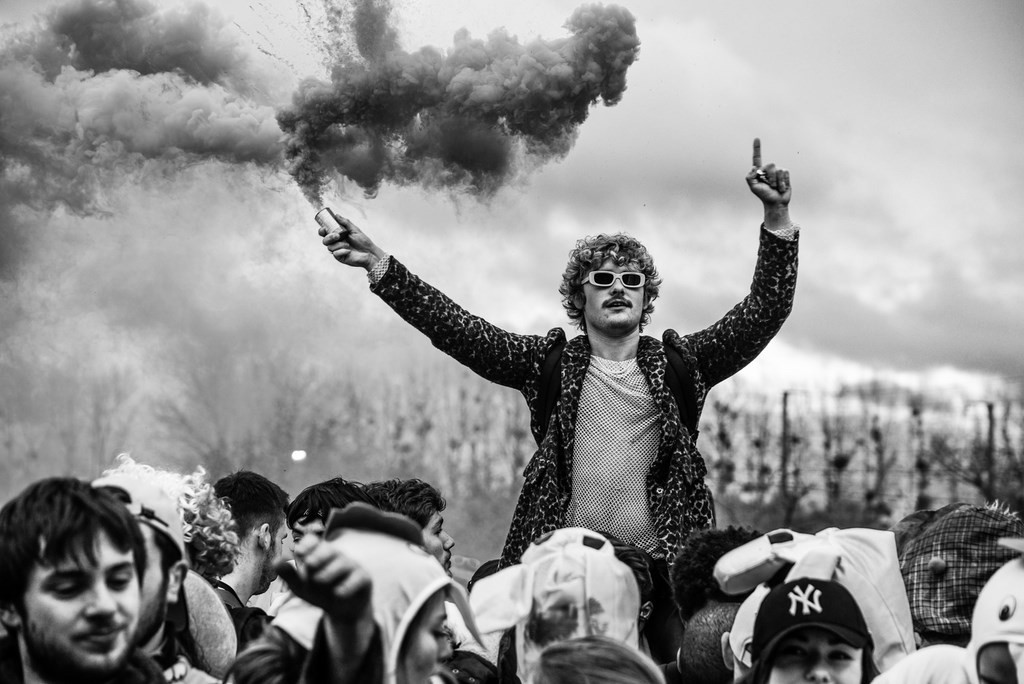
(346, 242)
(769, 183)
(327, 578)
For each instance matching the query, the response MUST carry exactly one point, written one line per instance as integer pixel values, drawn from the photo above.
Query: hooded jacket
(138, 669)
(404, 575)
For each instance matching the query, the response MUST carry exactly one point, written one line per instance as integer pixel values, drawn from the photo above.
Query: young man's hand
(327, 578)
(348, 244)
(769, 183)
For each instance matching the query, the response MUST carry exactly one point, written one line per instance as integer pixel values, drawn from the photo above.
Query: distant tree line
(861, 455)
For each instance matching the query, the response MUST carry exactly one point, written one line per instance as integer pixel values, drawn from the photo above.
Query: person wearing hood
(368, 607)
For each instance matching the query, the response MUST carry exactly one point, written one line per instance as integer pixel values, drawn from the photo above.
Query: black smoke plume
(461, 119)
(98, 93)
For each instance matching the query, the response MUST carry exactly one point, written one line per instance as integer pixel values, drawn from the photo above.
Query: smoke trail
(100, 89)
(103, 83)
(106, 35)
(460, 119)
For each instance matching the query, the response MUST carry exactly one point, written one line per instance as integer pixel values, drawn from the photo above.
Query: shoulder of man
(226, 594)
(671, 673)
(249, 623)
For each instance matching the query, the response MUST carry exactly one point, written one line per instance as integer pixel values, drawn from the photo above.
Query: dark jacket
(249, 621)
(677, 497)
(138, 669)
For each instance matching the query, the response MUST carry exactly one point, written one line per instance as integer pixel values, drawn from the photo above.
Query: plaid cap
(807, 602)
(946, 559)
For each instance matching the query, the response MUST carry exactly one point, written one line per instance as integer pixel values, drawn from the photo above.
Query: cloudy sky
(146, 192)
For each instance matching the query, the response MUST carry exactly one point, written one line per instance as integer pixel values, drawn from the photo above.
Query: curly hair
(592, 251)
(211, 537)
(692, 573)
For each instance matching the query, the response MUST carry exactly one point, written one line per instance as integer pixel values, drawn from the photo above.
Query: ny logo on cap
(809, 598)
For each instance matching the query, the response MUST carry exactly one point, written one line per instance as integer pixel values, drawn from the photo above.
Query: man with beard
(259, 508)
(70, 561)
(156, 515)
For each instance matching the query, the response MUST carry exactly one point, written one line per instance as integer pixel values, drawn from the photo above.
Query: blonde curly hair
(211, 536)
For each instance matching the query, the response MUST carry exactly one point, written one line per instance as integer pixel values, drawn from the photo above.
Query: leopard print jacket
(679, 499)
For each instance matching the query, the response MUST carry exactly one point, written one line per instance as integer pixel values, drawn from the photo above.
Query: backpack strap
(680, 383)
(550, 388)
(677, 377)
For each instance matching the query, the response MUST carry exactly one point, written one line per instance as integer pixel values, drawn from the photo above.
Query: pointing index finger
(757, 153)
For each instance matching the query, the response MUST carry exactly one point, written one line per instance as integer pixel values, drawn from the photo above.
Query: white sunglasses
(630, 279)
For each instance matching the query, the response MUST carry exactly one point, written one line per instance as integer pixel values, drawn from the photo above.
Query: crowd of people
(613, 570)
(98, 583)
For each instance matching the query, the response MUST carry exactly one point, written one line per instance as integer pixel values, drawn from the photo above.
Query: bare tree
(235, 411)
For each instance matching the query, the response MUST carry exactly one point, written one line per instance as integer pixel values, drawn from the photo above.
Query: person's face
(275, 552)
(996, 666)
(438, 542)
(614, 310)
(817, 656)
(301, 529)
(78, 622)
(425, 644)
(154, 590)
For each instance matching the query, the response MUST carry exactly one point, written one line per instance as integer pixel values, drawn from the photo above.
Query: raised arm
(499, 356)
(728, 345)
(324, 577)
(771, 185)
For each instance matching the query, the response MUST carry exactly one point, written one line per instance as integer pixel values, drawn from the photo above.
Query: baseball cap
(807, 602)
(742, 631)
(569, 584)
(150, 504)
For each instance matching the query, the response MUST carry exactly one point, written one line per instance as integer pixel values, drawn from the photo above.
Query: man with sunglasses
(614, 455)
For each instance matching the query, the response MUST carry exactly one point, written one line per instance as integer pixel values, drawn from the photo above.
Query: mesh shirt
(617, 435)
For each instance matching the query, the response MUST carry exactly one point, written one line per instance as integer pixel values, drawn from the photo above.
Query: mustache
(619, 301)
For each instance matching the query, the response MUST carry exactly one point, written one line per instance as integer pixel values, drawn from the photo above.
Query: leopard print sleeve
(497, 355)
(734, 341)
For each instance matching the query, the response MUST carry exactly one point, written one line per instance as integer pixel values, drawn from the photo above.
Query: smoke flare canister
(325, 217)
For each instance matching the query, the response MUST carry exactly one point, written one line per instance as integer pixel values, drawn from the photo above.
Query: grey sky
(900, 123)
